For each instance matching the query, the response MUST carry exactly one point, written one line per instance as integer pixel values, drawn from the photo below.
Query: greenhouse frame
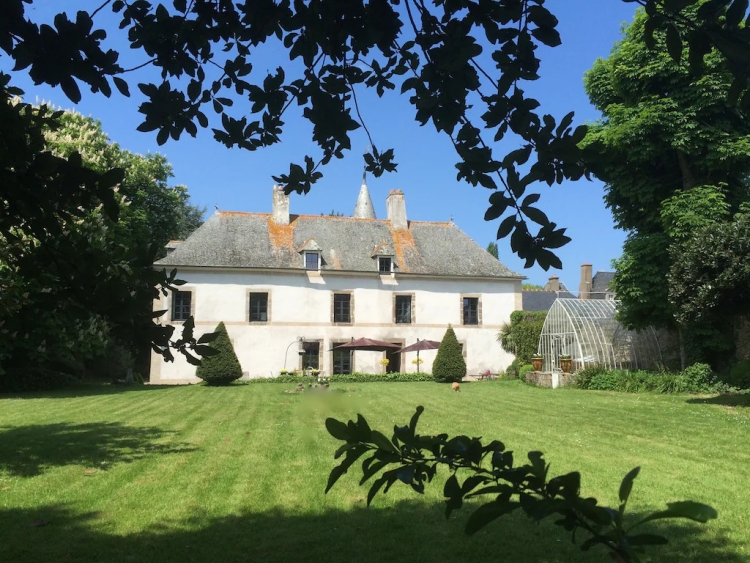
(587, 330)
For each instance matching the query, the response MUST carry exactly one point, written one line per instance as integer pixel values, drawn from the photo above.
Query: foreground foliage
(413, 459)
(437, 52)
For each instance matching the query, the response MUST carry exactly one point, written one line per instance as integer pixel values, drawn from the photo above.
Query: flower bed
(348, 378)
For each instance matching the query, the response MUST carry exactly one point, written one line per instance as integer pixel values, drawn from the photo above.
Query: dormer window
(312, 260)
(385, 264)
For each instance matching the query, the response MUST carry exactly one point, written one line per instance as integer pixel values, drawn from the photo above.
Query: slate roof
(541, 300)
(600, 284)
(253, 240)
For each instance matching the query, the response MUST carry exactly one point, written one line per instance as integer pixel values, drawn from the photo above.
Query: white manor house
(291, 287)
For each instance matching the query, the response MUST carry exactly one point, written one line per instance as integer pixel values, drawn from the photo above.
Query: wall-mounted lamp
(299, 339)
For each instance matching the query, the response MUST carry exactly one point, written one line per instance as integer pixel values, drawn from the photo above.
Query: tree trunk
(683, 358)
(688, 180)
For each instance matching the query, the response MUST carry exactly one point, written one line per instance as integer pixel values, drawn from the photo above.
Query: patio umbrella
(367, 344)
(420, 345)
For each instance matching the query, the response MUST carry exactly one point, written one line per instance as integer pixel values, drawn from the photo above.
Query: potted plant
(566, 363)
(384, 362)
(536, 361)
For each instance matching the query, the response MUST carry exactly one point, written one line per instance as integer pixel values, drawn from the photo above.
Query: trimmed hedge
(348, 378)
(223, 367)
(522, 334)
(449, 364)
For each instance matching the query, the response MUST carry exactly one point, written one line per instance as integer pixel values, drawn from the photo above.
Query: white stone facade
(300, 305)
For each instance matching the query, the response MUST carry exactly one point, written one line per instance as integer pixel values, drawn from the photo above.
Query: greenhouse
(587, 331)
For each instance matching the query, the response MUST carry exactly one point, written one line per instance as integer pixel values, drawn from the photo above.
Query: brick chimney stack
(553, 284)
(584, 290)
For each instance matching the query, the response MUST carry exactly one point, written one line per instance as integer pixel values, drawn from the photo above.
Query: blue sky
(238, 180)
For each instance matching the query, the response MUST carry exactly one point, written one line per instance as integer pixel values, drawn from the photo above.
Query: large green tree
(57, 313)
(674, 153)
(151, 211)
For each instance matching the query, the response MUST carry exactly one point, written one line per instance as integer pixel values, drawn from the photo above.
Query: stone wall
(545, 379)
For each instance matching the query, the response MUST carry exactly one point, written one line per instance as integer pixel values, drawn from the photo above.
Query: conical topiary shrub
(221, 368)
(449, 365)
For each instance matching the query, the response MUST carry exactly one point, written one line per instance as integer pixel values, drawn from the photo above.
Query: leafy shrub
(521, 336)
(524, 370)
(513, 368)
(223, 367)
(698, 377)
(605, 381)
(113, 364)
(670, 383)
(739, 375)
(583, 377)
(449, 364)
(348, 378)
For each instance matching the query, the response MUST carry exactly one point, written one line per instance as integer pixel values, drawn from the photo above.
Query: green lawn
(174, 474)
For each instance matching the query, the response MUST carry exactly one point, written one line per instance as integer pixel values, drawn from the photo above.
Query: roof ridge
(292, 216)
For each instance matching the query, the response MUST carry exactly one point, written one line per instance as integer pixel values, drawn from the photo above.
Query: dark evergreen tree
(449, 364)
(221, 368)
(492, 249)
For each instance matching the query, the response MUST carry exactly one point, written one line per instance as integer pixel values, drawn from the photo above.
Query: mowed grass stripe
(237, 474)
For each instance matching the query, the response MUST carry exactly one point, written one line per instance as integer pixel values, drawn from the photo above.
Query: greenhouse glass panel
(588, 332)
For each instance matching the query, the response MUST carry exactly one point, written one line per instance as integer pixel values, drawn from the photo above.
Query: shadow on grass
(27, 451)
(739, 400)
(86, 390)
(406, 532)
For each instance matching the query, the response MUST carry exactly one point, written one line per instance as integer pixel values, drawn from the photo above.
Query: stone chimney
(584, 290)
(396, 207)
(553, 284)
(280, 213)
